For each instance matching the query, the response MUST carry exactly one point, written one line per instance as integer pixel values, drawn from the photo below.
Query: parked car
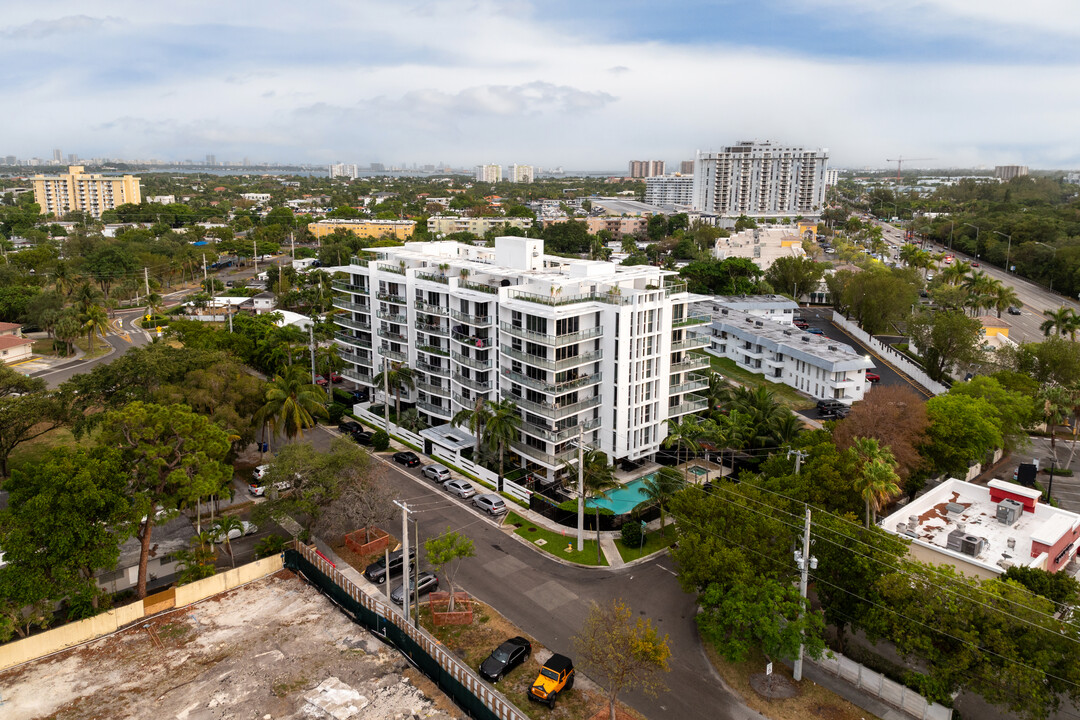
(1013, 310)
(438, 473)
(462, 488)
(336, 377)
(407, 458)
(505, 658)
(259, 489)
(247, 528)
(321, 381)
(490, 503)
(815, 331)
(829, 408)
(555, 677)
(259, 472)
(425, 583)
(350, 427)
(361, 395)
(376, 571)
(974, 263)
(363, 436)
(801, 324)
(872, 377)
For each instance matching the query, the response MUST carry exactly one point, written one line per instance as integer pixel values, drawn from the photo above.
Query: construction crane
(900, 163)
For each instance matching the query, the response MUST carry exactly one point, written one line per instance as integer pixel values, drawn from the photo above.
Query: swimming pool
(623, 499)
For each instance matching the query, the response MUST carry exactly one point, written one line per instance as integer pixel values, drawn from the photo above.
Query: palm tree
(411, 421)
(1056, 403)
(85, 296)
(222, 527)
(787, 429)
(96, 322)
(67, 329)
(63, 279)
(660, 488)
(501, 427)
(1005, 297)
(718, 393)
(684, 436)
(877, 480)
(398, 376)
(292, 403)
(955, 273)
(597, 478)
(1064, 319)
(474, 420)
(764, 412)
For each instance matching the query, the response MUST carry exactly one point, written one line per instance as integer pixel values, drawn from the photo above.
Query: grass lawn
(812, 700)
(100, 347)
(43, 347)
(654, 542)
(36, 449)
(785, 394)
(555, 543)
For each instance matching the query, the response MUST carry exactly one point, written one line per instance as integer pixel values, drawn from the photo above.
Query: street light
(1008, 251)
(976, 235)
(1036, 242)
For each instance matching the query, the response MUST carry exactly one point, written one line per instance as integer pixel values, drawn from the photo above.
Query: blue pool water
(623, 499)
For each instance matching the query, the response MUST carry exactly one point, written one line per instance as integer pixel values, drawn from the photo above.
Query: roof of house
(10, 341)
(992, 321)
(5, 326)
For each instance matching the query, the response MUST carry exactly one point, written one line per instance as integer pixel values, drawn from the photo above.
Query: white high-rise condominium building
(669, 190)
(521, 173)
(574, 343)
(832, 176)
(344, 171)
(489, 173)
(760, 179)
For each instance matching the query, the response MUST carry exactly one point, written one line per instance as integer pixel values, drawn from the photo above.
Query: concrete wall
(66, 636)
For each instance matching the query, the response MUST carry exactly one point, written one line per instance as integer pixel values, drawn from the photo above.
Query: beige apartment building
(398, 229)
(447, 224)
(92, 193)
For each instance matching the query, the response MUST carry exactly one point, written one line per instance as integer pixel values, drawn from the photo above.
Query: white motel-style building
(574, 343)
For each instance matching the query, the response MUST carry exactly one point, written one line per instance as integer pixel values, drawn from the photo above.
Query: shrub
(336, 410)
(571, 506)
(271, 545)
(633, 536)
(380, 441)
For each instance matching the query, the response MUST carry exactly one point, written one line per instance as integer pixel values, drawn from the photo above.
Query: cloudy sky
(585, 84)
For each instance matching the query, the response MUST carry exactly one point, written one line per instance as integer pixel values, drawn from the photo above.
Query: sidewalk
(851, 693)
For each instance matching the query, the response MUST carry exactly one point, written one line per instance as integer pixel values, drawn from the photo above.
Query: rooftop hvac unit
(954, 508)
(787, 332)
(971, 545)
(806, 338)
(723, 311)
(1009, 511)
(955, 540)
(757, 323)
(833, 347)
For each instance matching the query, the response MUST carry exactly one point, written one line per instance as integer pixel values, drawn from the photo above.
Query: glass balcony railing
(472, 362)
(556, 340)
(477, 320)
(550, 387)
(430, 308)
(564, 364)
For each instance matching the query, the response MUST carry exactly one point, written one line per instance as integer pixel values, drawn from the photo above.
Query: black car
(363, 436)
(350, 427)
(407, 458)
(505, 658)
(361, 395)
(425, 583)
(376, 571)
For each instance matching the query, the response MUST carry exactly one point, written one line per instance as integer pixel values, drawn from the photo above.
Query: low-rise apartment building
(399, 229)
(814, 364)
(618, 226)
(447, 224)
(580, 346)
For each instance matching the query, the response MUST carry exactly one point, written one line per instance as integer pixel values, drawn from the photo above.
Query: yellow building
(79, 190)
(400, 229)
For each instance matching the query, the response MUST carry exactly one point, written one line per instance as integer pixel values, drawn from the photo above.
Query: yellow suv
(556, 676)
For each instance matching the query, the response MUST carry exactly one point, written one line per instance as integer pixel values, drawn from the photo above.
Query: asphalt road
(1035, 298)
(550, 600)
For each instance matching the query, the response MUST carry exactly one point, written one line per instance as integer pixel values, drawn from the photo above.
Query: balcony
(431, 309)
(673, 288)
(432, 388)
(343, 304)
(433, 409)
(477, 320)
(694, 403)
(396, 269)
(390, 335)
(428, 328)
(362, 262)
(440, 370)
(690, 342)
(472, 362)
(356, 358)
(554, 410)
(392, 317)
(433, 349)
(394, 354)
(558, 300)
(564, 364)
(346, 287)
(358, 377)
(556, 340)
(558, 436)
(472, 340)
(469, 403)
(691, 362)
(482, 386)
(694, 383)
(433, 277)
(479, 287)
(550, 387)
(392, 297)
(691, 320)
(549, 459)
(354, 324)
(353, 340)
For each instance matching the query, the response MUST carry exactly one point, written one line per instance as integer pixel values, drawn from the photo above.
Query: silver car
(461, 488)
(490, 503)
(438, 473)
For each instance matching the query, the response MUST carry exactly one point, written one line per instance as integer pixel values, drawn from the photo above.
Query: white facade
(760, 180)
(161, 199)
(489, 173)
(521, 173)
(777, 308)
(814, 364)
(447, 224)
(832, 176)
(669, 190)
(256, 197)
(571, 342)
(343, 171)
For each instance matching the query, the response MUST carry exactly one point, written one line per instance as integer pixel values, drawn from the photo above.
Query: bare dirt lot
(272, 649)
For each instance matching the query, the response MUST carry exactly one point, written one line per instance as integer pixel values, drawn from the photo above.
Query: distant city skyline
(590, 85)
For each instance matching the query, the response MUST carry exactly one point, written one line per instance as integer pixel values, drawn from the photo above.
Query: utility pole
(580, 487)
(255, 255)
(292, 242)
(404, 556)
(799, 457)
(311, 348)
(386, 394)
(146, 278)
(805, 563)
(416, 575)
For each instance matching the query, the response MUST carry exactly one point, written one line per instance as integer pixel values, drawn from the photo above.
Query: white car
(236, 533)
(259, 490)
(490, 503)
(462, 488)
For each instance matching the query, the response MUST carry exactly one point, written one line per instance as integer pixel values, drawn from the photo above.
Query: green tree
(96, 322)
(622, 652)
(733, 276)
(67, 329)
(945, 340)
(445, 553)
(27, 412)
(1015, 411)
(1064, 319)
(660, 488)
(292, 403)
(475, 420)
(221, 529)
(173, 454)
(963, 429)
(501, 428)
(795, 276)
(398, 377)
(197, 562)
(683, 435)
